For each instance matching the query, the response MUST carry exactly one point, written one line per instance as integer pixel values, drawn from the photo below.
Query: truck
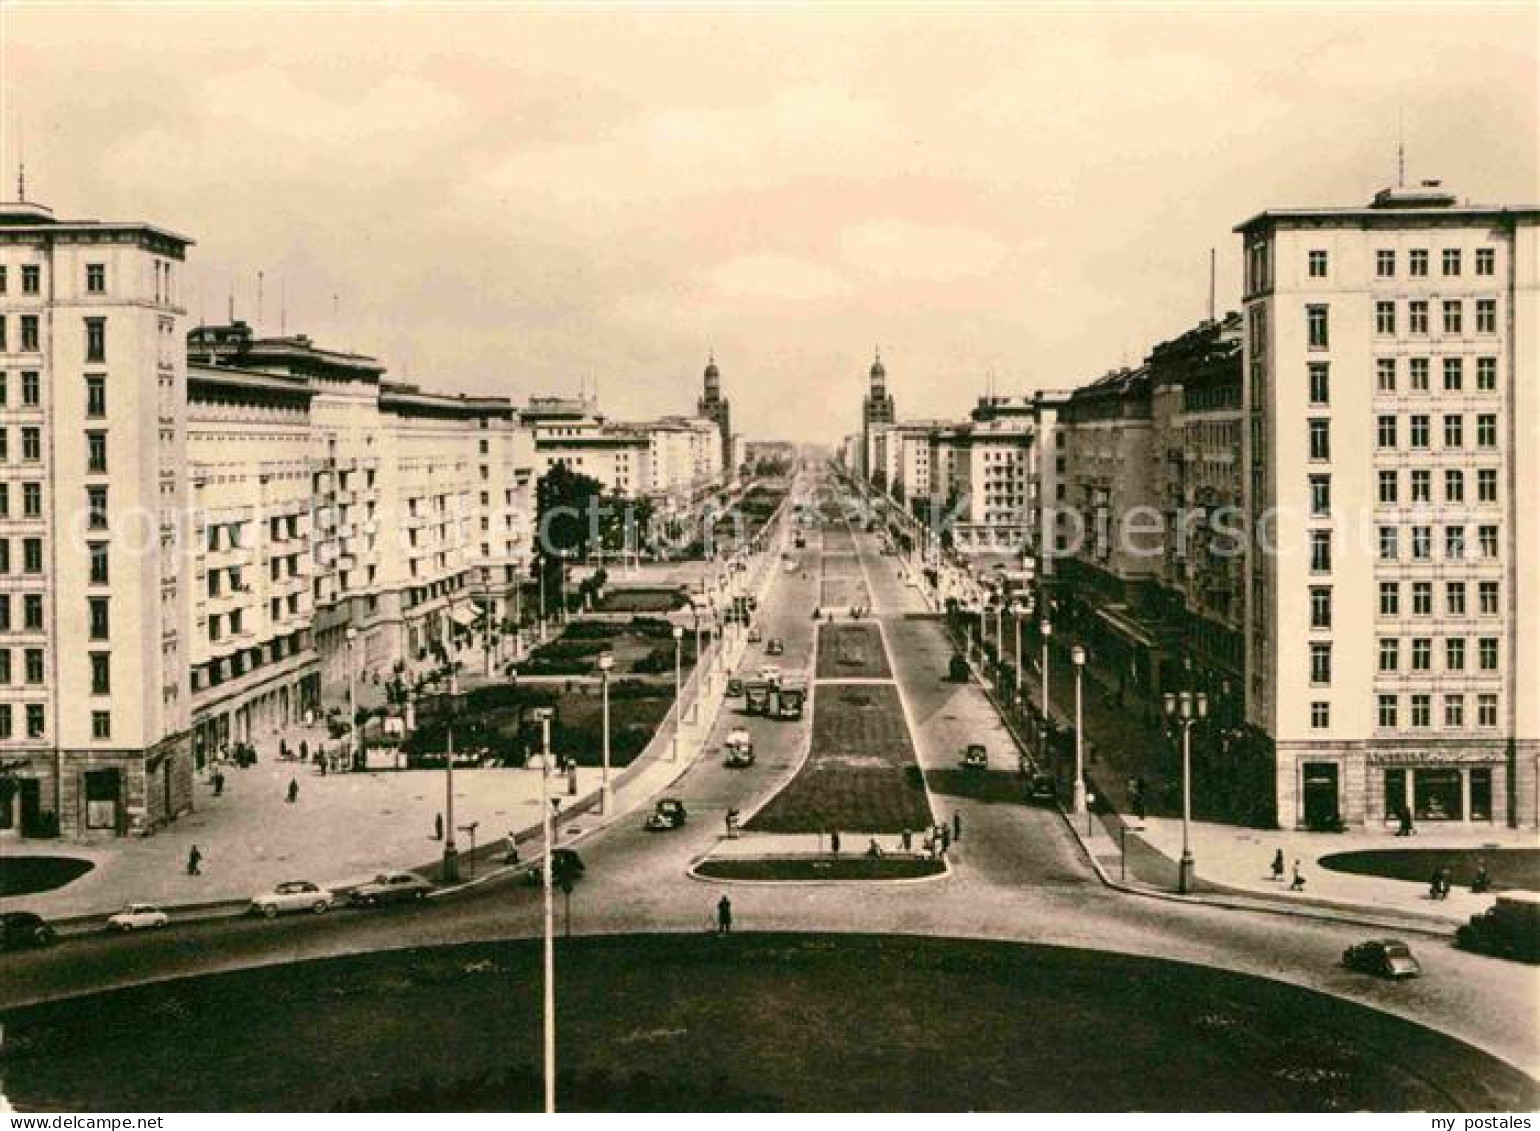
(1510, 927)
(756, 697)
(738, 750)
(791, 697)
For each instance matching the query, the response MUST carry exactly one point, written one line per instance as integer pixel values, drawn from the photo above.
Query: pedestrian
(944, 835)
(293, 791)
(283, 749)
(1278, 866)
(724, 916)
(1436, 884)
(834, 842)
(906, 838)
(1483, 881)
(219, 782)
(956, 824)
(194, 862)
(1298, 883)
(1405, 815)
(438, 826)
(512, 856)
(304, 750)
(1445, 882)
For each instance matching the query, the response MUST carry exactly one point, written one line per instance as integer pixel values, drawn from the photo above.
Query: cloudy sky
(511, 199)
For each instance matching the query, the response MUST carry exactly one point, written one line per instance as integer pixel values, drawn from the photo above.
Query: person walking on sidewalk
(438, 826)
(957, 824)
(1278, 866)
(194, 862)
(293, 791)
(1298, 883)
(218, 781)
(724, 916)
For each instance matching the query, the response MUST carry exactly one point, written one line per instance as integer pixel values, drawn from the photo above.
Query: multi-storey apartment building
(1046, 522)
(1392, 414)
(94, 555)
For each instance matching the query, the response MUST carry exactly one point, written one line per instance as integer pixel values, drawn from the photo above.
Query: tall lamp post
(1077, 658)
(451, 853)
(999, 633)
(606, 662)
(1045, 630)
(678, 688)
(1184, 709)
(548, 807)
(353, 754)
(1016, 611)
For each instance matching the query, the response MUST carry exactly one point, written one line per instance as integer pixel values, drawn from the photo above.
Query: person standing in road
(194, 862)
(834, 842)
(957, 824)
(293, 791)
(304, 750)
(724, 916)
(438, 826)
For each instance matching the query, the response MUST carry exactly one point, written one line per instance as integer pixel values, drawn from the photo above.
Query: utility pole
(548, 807)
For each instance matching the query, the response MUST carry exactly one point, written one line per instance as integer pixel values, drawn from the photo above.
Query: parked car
(775, 647)
(138, 917)
(1388, 958)
(292, 895)
(755, 636)
(974, 757)
(734, 687)
(668, 814)
(1510, 927)
(22, 928)
(1041, 787)
(390, 887)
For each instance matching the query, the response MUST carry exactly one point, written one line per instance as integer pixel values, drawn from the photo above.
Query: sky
(517, 200)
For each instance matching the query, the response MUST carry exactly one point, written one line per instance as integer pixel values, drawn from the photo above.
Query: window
(1486, 709)
(1454, 598)
(1487, 650)
(1451, 261)
(98, 552)
(101, 724)
(34, 663)
(1385, 374)
(100, 620)
(101, 673)
(1418, 368)
(1486, 430)
(1454, 711)
(31, 390)
(1320, 663)
(5, 612)
(1454, 485)
(1320, 607)
(31, 279)
(1389, 484)
(1486, 316)
(1420, 430)
(1320, 383)
(96, 339)
(1454, 654)
(96, 452)
(1486, 374)
(1454, 430)
(96, 278)
(1488, 593)
(32, 612)
(1454, 319)
(1317, 327)
(1390, 654)
(1389, 550)
(1422, 485)
(1422, 653)
(1320, 496)
(1387, 706)
(1488, 535)
(5, 666)
(1486, 484)
(1320, 715)
(1417, 316)
(96, 508)
(1320, 551)
(1385, 263)
(1422, 598)
(32, 555)
(1486, 261)
(1454, 374)
(1317, 264)
(31, 445)
(32, 500)
(96, 395)
(1390, 598)
(2, 279)
(1385, 318)
(1422, 543)
(1320, 439)
(35, 720)
(1422, 711)
(1417, 261)
(29, 337)
(1386, 431)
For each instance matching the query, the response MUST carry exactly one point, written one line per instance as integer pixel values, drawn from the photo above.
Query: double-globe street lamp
(1077, 658)
(678, 688)
(1184, 709)
(1045, 630)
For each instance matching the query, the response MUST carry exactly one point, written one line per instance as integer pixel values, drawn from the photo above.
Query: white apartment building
(1392, 418)
(94, 572)
(572, 432)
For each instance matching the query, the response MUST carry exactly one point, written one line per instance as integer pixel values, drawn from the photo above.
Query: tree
(576, 518)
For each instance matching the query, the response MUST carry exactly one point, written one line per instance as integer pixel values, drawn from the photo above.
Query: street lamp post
(1045, 629)
(548, 807)
(678, 688)
(541, 619)
(1185, 708)
(351, 636)
(606, 662)
(1016, 631)
(695, 703)
(999, 634)
(451, 853)
(1078, 801)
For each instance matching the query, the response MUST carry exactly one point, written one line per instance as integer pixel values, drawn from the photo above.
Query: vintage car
(390, 887)
(738, 750)
(775, 646)
(974, 757)
(734, 687)
(292, 895)
(1388, 958)
(668, 814)
(138, 917)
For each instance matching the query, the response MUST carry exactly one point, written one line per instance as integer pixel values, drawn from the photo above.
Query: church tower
(716, 408)
(876, 410)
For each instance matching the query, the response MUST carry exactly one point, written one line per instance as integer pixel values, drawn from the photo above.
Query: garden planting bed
(852, 651)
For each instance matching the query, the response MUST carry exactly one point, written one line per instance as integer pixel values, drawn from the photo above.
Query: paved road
(1018, 874)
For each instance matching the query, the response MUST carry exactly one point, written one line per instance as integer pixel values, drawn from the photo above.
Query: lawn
(1507, 867)
(744, 1023)
(662, 600)
(644, 646)
(860, 776)
(856, 866)
(24, 875)
(852, 651)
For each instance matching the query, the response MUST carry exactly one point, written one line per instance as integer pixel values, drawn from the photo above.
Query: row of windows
(1421, 542)
(1421, 653)
(1453, 310)
(34, 669)
(1421, 710)
(36, 722)
(1422, 486)
(1451, 262)
(32, 448)
(1418, 369)
(1419, 432)
(1488, 596)
(32, 279)
(29, 338)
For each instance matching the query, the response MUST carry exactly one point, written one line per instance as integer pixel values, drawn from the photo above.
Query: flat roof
(1368, 217)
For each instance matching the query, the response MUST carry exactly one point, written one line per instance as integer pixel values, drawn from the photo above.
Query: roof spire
(21, 181)
(1401, 151)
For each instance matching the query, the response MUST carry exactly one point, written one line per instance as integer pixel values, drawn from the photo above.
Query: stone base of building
(83, 793)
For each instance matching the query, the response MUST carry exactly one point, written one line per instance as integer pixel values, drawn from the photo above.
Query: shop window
(1481, 793)
(1438, 794)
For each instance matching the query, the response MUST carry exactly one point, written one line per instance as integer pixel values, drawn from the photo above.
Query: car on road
(292, 895)
(734, 687)
(775, 646)
(566, 865)
(755, 636)
(771, 674)
(138, 917)
(1387, 958)
(22, 928)
(974, 757)
(390, 887)
(668, 814)
(1041, 787)
(738, 750)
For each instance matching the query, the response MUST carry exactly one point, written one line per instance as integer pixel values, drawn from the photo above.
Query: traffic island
(820, 869)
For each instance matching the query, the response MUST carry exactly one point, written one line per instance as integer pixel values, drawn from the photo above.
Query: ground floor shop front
(83, 793)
